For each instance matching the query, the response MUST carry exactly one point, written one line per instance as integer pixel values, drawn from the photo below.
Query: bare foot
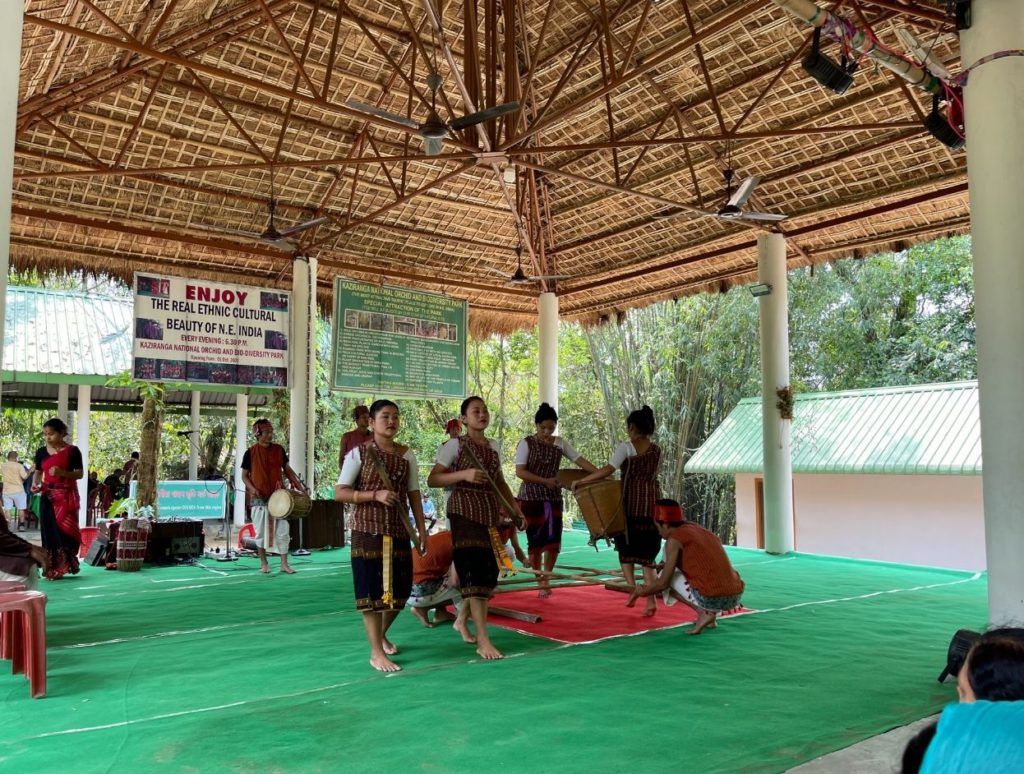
(487, 651)
(384, 664)
(287, 569)
(265, 568)
(544, 593)
(463, 630)
(389, 647)
(652, 607)
(421, 616)
(704, 620)
(632, 597)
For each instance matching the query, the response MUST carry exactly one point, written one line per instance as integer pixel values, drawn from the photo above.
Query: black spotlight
(834, 77)
(959, 647)
(941, 129)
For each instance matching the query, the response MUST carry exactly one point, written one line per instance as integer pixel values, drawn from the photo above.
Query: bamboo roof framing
(151, 135)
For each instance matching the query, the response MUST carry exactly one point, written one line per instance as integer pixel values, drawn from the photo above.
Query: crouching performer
(380, 478)
(697, 570)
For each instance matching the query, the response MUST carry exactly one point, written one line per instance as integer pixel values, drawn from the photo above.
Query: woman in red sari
(58, 468)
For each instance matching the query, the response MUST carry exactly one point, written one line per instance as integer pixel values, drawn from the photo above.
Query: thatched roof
(150, 134)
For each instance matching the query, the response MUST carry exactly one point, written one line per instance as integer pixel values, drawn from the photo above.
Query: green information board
(392, 341)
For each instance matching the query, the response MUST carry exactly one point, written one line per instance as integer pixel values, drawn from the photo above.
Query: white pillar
(241, 444)
(10, 68)
(194, 439)
(62, 402)
(311, 379)
(82, 442)
(778, 468)
(547, 346)
(994, 103)
(298, 348)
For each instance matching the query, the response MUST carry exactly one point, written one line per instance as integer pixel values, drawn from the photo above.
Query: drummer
(264, 467)
(538, 457)
(638, 459)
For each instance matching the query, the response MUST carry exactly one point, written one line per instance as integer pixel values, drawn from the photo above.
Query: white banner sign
(209, 332)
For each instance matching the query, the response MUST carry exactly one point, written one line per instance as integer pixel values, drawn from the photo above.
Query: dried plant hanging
(785, 404)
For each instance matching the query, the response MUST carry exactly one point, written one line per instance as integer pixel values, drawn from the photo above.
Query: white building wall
(929, 520)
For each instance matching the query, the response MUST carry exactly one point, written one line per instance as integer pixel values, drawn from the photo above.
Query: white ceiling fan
(734, 201)
(519, 277)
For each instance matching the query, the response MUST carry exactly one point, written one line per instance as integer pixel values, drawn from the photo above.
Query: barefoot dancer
(638, 459)
(538, 457)
(697, 570)
(380, 477)
(264, 464)
(473, 513)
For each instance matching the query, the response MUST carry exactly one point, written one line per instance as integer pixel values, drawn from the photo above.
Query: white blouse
(353, 464)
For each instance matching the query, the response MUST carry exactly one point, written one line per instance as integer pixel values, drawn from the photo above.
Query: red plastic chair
(27, 636)
(247, 531)
(7, 620)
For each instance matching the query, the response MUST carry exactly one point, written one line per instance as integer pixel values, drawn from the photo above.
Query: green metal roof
(918, 429)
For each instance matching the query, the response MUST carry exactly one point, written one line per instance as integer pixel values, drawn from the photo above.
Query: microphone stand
(229, 555)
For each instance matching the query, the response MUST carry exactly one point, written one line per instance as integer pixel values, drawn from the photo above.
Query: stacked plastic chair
(23, 633)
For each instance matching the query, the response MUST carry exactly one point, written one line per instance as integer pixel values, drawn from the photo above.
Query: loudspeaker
(97, 553)
(187, 546)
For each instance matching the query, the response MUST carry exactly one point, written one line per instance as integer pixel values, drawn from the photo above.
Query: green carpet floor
(183, 669)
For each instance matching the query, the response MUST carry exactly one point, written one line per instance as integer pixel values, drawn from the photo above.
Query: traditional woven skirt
(473, 555)
(374, 591)
(640, 543)
(543, 524)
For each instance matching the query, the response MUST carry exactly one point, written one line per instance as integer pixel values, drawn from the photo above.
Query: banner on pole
(209, 332)
(391, 341)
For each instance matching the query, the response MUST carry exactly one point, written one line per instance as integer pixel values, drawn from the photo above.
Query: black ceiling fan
(519, 277)
(434, 130)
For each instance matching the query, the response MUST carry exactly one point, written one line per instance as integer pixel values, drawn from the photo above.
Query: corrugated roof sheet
(918, 429)
(65, 332)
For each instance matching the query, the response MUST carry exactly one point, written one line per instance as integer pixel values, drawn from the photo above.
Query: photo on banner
(397, 342)
(203, 332)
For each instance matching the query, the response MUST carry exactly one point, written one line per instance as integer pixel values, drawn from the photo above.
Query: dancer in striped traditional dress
(538, 458)
(471, 463)
(638, 458)
(380, 477)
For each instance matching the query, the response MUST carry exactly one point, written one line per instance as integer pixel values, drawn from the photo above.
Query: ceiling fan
(433, 130)
(733, 207)
(283, 238)
(519, 277)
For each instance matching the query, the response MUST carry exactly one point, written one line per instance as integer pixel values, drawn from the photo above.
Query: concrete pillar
(62, 402)
(994, 105)
(298, 349)
(82, 442)
(241, 444)
(311, 379)
(778, 468)
(547, 344)
(194, 439)
(10, 68)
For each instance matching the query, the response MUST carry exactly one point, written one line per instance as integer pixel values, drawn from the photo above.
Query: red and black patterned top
(374, 517)
(476, 502)
(543, 459)
(640, 483)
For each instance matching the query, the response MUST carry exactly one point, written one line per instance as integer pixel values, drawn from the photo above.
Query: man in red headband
(697, 571)
(264, 466)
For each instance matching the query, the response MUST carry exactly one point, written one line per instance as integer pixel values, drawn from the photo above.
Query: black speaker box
(97, 553)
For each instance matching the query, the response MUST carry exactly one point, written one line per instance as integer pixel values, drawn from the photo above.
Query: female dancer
(380, 477)
(58, 468)
(537, 460)
(638, 458)
(471, 463)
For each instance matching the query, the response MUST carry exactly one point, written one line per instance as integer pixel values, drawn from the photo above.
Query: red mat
(587, 614)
